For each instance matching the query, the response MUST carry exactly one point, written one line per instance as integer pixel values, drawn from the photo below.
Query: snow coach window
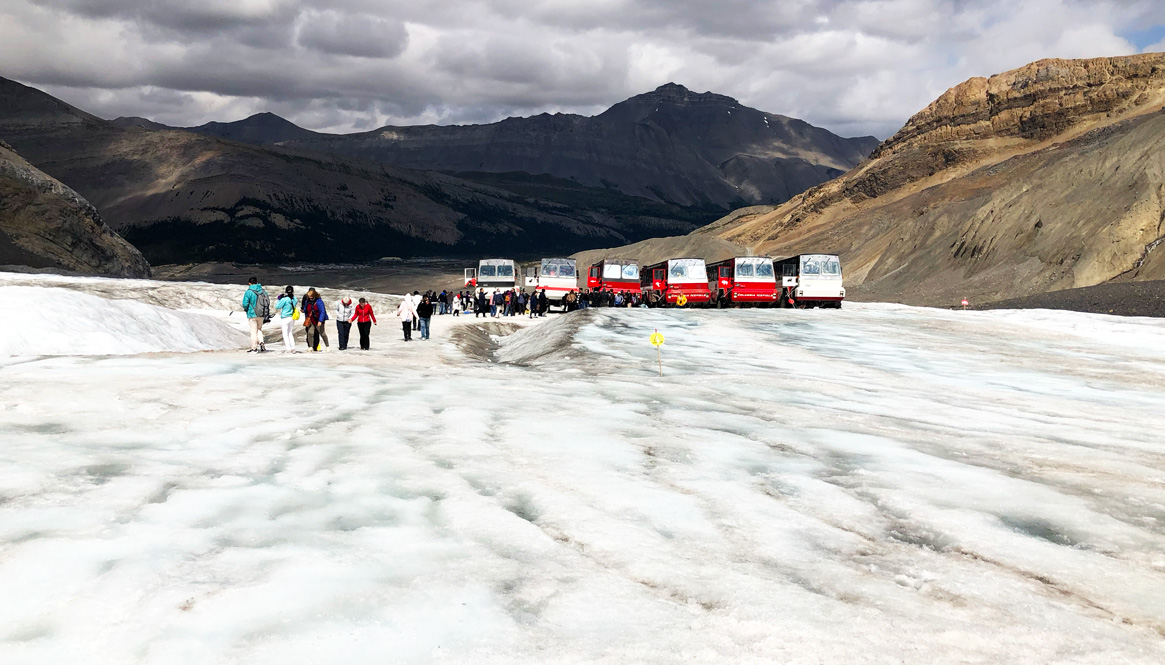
(487, 271)
(789, 270)
(659, 274)
(631, 271)
(811, 266)
(742, 270)
(764, 269)
(687, 269)
(611, 271)
(830, 266)
(505, 271)
(566, 270)
(594, 271)
(549, 270)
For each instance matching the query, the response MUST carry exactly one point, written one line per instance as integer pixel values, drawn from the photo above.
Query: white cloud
(854, 66)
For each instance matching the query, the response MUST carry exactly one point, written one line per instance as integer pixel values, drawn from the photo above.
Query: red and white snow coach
(676, 282)
(618, 275)
(811, 280)
(744, 280)
(556, 276)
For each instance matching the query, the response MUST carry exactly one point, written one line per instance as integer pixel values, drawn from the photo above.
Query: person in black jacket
(424, 313)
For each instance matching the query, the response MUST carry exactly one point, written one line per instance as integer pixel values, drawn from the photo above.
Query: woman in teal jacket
(286, 308)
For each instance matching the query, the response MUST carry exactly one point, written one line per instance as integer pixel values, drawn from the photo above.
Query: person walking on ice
(258, 308)
(365, 319)
(285, 304)
(344, 311)
(407, 312)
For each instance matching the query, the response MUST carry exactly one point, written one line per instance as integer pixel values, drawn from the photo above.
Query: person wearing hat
(344, 310)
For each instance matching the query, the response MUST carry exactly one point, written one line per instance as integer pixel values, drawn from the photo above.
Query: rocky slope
(671, 145)
(44, 224)
(1048, 177)
(183, 197)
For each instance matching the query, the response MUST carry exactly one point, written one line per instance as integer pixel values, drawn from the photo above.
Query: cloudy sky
(853, 66)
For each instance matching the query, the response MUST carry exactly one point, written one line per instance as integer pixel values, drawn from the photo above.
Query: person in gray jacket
(344, 310)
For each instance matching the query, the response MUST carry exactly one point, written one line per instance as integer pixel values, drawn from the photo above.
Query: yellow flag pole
(657, 341)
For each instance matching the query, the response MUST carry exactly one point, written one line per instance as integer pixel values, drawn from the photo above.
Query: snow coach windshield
(820, 265)
(687, 270)
(558, 268)
(757, 268)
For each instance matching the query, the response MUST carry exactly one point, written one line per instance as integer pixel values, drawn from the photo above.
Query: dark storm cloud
(359, 35)
(855, 66)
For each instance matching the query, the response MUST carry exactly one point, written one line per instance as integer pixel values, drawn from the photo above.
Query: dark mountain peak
(260, 129)
(34, 106)
(674, 93)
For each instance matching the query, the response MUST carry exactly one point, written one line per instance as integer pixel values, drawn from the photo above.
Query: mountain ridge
(670, 145)
(183, 197)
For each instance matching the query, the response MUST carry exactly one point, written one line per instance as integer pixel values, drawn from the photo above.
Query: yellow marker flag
(656, 338)
(682, 300)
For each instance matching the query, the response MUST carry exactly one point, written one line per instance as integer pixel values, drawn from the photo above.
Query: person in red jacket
(364, 319)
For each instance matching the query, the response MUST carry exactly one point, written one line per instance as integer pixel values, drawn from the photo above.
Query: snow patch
(60, 322)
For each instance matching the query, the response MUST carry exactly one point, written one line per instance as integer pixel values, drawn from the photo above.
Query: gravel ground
(1124, 299)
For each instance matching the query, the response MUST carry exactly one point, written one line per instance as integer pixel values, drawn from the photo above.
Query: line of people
(415, 311)
(311, 313)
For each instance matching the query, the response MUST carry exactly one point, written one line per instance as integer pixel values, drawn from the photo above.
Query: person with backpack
(285, 305)
(365, 319)
(258, 308)
(407, 312)
(344, 311)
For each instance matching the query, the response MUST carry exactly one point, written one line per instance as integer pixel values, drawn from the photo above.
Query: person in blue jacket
(314, 316)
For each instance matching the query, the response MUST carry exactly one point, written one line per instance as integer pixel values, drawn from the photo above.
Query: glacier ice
(880, 484)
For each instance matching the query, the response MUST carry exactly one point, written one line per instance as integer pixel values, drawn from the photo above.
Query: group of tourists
(415, 311)
(311, 313)
(511, 302)
(516, 302)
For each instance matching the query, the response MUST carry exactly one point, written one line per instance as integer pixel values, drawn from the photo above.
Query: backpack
(263, 305)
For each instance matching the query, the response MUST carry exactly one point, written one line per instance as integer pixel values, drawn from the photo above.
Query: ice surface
(55, 321)
(878, 484)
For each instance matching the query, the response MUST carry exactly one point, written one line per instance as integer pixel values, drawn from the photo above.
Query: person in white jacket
(407, 312)
(344, 310)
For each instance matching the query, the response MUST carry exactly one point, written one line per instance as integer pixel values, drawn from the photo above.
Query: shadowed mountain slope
(184, 197)
(671, 145)
(44, 224)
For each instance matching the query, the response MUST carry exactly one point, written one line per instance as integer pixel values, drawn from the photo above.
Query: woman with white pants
(286, 308)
